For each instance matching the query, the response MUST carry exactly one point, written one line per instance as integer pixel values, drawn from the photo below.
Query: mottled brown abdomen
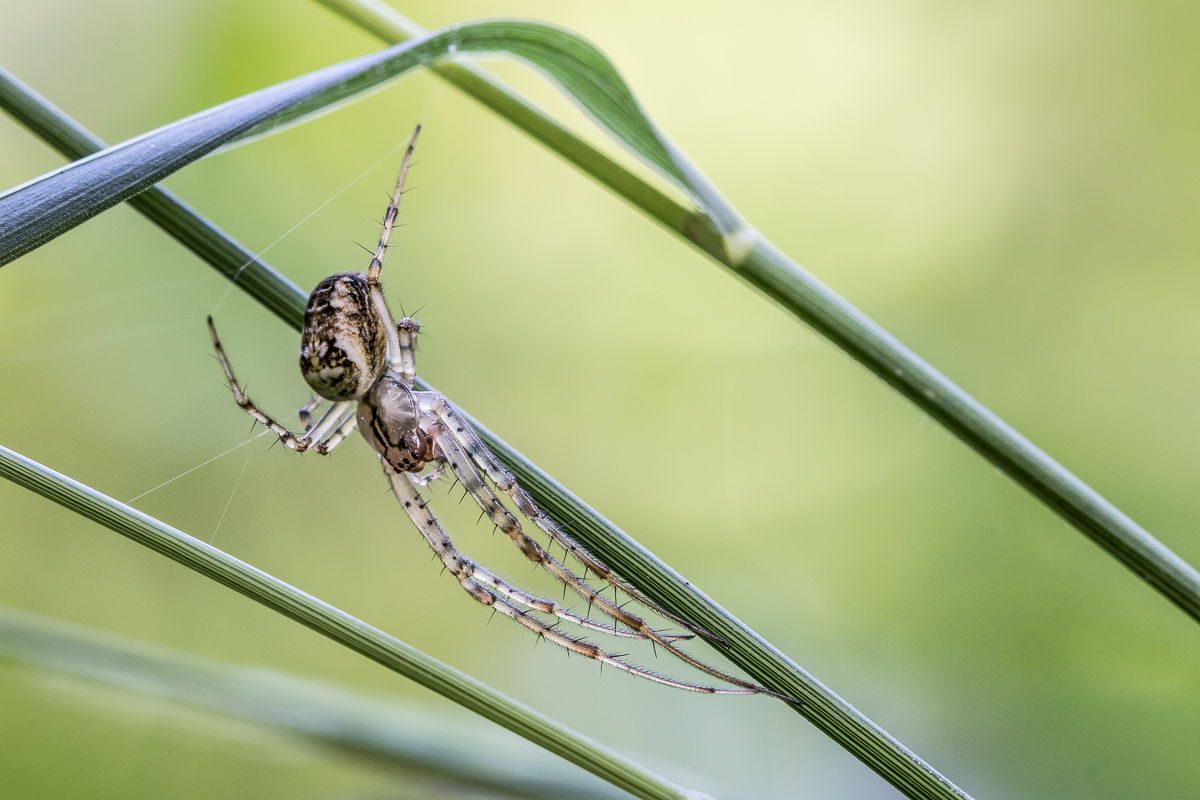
(343, 347)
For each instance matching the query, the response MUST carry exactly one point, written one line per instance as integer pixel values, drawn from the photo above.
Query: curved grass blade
(227, 255)
(384, 730)
(827, 711)
(755, 260)
(46, 207)
(339, 626)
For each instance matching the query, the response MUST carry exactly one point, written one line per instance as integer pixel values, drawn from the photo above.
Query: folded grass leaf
(224, 253)
(40, 210)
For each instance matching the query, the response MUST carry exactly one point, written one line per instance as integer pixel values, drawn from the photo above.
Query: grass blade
(228, 256)
(382, 729)
(338, 626)
(763, 266)
(831, 714)
(46, 207)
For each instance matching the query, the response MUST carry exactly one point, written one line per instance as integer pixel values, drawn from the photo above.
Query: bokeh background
(1009, 187)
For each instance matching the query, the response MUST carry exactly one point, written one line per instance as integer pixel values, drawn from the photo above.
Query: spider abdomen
(343, 347)
(389, 419)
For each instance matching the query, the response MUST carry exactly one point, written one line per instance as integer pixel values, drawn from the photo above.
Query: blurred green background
(1009, 187)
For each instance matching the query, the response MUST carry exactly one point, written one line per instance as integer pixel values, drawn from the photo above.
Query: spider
(354, 354)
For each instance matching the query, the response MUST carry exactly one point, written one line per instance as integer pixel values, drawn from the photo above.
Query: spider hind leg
(464, 469)
(465, 434)
(484, 588)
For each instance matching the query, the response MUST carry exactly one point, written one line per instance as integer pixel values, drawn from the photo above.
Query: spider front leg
(332, 420)
(406, 363)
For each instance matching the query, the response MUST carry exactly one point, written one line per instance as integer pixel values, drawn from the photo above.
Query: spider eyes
(343, 347)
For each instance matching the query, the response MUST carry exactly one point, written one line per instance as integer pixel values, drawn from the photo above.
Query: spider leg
(589, 650)
(472, 578)
(377, 297)
(507, 590)
(464, 468)
(406, 365)
(339, 435)
(425, 480)
(510, 592)
(466, 436)
(306, 412)
(329, 421)
(312, 435)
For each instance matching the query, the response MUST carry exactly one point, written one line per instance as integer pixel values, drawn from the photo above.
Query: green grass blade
(385, 730)
(830, 713)
(284, 298)
(769, 270)
(46, 207)
(762, 265)
(392, 27)
(338, 626)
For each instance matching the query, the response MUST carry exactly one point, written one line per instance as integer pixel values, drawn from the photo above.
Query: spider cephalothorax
(389, 418)
(354, 354)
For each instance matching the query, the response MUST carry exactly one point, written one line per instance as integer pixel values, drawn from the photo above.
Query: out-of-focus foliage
(1008, 187)
(449, 756)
